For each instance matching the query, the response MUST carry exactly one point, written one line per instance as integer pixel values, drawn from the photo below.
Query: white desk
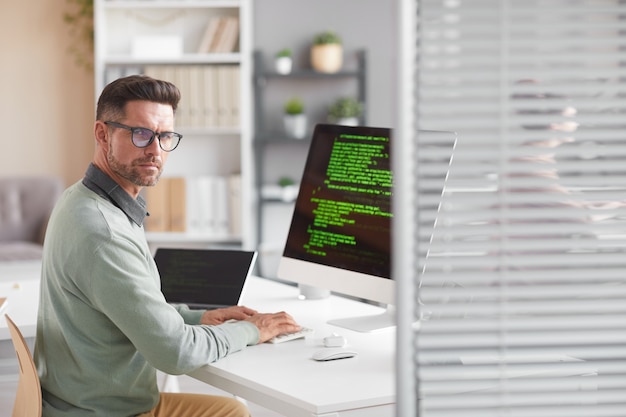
(19, 282)
(284, 378)
(279, 377)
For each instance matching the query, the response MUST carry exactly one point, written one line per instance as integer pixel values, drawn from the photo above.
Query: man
(103, 325)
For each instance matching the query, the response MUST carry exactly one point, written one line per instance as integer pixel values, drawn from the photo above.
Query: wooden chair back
(28, 397)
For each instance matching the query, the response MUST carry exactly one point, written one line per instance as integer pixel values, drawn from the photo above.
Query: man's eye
(143, 134)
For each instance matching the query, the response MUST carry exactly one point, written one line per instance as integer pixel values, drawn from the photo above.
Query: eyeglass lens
(143, 137)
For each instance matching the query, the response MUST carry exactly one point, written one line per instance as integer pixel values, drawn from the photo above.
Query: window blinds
(522, 293)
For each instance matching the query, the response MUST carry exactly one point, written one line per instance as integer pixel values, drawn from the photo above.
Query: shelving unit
(273, 140)
(157, 36)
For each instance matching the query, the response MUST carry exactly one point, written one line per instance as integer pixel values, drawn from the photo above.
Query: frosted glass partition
(522, 298)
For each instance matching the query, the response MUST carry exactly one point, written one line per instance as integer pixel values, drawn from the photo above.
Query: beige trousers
(197, 405)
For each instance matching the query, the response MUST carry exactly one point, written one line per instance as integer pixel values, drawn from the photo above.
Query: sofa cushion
(25, 205)
(20, 251)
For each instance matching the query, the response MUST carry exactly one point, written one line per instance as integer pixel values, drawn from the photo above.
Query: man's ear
(101, 133)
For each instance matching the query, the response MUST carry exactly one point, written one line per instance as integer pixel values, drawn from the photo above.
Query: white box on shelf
(161, 46)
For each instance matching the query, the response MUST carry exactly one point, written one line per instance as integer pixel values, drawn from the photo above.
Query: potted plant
(80, 22)
(283, 61)
(289, 189)
(345, 111)
(294, 118)
(326, 52)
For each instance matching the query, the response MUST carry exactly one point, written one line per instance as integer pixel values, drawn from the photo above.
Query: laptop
(204, 278)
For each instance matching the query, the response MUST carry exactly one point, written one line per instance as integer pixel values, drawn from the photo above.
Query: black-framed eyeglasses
(142, 137)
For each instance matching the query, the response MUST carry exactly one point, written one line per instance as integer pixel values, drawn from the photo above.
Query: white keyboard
(285, 337)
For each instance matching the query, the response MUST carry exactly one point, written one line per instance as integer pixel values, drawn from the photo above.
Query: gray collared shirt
(103, 185)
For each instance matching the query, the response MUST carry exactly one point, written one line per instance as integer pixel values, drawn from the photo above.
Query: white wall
(48, 106)
(362, 24)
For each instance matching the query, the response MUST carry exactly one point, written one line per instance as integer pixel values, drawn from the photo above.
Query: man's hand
(273, 324)
(220, 315)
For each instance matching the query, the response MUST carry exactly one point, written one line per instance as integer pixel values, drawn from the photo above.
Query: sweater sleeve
(189, 316)
(194, 316)
(124, 286)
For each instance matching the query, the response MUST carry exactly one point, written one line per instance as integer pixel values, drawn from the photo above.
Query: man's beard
(131, 173)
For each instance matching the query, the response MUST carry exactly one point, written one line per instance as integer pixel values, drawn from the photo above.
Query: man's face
(140, 167)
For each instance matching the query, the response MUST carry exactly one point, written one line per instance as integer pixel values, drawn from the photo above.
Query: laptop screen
(203, 278)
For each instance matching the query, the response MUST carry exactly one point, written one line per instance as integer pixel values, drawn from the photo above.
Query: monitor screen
(340, 233)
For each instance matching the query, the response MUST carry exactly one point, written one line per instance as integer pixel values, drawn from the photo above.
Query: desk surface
(280, 377)
(284, 378)
(19, 282)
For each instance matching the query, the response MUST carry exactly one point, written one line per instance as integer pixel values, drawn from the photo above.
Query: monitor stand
(370, 323)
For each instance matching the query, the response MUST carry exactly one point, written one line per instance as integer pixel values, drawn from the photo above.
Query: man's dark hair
(112, 101)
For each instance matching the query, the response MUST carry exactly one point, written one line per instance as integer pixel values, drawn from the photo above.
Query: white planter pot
(295, 125)
(283, 65)
(289, 193)
(347, 121)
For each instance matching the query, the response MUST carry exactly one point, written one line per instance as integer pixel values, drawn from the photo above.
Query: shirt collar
(103, 185)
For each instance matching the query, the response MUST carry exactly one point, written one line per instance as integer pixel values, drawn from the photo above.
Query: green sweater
(104, 326)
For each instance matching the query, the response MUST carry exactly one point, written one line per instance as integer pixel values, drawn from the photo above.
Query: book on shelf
(204, 204)
(220, 36)
(221, 26)
(228, 36)
(209, 35)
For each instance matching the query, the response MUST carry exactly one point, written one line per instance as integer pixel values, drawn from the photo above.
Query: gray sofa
(25, 205)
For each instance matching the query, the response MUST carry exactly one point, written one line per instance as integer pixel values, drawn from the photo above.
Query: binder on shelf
(167, 204)
(234, 204)
(210, 96)
(235, 105)
(220, 201)
(158, 206)
(224, 95)
(206, 205)
(196, 96)
(177, 204)
(181, 79)
(192, 198)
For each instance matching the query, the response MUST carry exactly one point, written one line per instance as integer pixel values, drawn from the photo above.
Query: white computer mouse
(329, 354)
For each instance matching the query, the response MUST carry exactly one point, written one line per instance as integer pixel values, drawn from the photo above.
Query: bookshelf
(203, 46)
(276, 154)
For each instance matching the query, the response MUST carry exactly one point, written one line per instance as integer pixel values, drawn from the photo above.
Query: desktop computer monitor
(340, 233)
